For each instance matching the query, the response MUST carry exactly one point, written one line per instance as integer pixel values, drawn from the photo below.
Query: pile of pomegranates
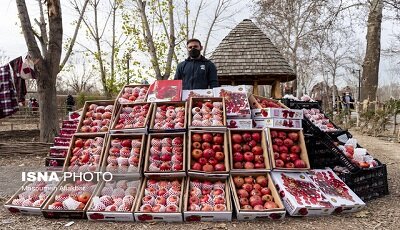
(73, 196)
(124, 155)
(253, 193)
(166, 153)
(207, 196)
(86, 154)
(207, 152)
(207, 113)
(132, 94)
(169, 116)
(286, 148)
(246, 149)
(132, 116)
(161, 196)
(116, 196)
(97, 119)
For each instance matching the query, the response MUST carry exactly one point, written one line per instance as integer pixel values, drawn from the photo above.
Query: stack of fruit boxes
(207, 196)
(124, 151)
(254, 194)
(161, 195)
(56, 158)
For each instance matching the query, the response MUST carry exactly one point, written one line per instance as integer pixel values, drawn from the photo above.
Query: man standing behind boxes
(196, 72)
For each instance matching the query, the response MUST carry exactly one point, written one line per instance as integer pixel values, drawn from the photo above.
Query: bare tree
(81, 76)
(223, 11)
(96, 33)
(372, 55)
(153, 14)
(47, 59)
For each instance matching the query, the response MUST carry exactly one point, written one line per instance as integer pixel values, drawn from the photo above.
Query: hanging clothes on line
(19, 82)
(8, 94)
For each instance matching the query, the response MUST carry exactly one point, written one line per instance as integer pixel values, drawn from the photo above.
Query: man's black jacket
(197, 74)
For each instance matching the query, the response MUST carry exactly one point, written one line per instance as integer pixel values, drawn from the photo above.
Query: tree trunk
(294, 82)
(369, 83)
(47, 105)
(48, 65)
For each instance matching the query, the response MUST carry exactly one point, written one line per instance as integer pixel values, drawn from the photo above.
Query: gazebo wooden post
(255, 88)
(276, 89)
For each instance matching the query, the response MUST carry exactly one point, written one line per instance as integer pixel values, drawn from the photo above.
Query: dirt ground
(381, 213)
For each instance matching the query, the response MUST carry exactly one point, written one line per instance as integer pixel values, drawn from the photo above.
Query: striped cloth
(8, 94)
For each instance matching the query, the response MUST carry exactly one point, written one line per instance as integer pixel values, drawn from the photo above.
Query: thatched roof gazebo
(247, 56)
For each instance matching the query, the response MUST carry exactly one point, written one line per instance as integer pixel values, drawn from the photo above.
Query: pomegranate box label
(236, 103)
(300, 195)
(278, 123)
(277, 113)
(239, 123)
(340, 195)
(165, 90)
(187, 94)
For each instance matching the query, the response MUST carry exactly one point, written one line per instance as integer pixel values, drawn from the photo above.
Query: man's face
(194, 45)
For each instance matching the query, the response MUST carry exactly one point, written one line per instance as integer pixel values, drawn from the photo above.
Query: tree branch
(78, 24)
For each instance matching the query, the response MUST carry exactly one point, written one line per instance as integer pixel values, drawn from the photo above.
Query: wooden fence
(26, 116)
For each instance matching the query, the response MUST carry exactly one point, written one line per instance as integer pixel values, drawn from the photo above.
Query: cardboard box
(134, 129)
(169, 173)
(54, 164)
(112, 215)
(75, 115)
(159, 216)
(156, 105)
(263, 145)
(277, 113)
(120, 171)
(273, 214)
(212, 216)
(62, 141)
(70, 124)
(194, 101)
(239, 123)
(86, 109)
(58, 151)
(278, 123)
(300, 196)
(341, 196)
(68, 214)
(214, 174)
(256, 102)
(187, 94)
(165, 90)
(26, 187)
(236, 103)
(127, 91)
(301, 143)
(85, 137)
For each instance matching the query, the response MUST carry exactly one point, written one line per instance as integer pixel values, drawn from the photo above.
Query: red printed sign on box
(339, 194)
(300, 195)
(165, 90)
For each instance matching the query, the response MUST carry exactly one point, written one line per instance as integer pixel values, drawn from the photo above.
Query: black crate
(320, 156)
(368, 183)
(325, 139)
(292, 104)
